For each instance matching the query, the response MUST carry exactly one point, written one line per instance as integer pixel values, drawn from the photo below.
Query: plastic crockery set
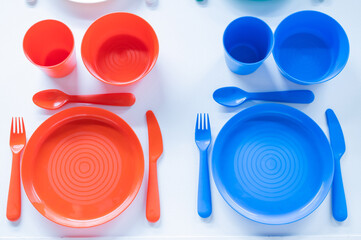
(271, 163)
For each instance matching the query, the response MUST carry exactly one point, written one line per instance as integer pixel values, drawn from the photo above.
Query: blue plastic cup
(310, 47)
(247, 41)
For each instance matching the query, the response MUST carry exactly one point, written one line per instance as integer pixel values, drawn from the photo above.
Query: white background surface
(190, 67)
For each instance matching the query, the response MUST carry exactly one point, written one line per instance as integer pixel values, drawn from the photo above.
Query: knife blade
(336, 135)
(339, 206)
(154, 137)
(155, 151)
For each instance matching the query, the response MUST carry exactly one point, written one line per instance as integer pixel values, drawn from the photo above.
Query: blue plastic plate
(272, 164)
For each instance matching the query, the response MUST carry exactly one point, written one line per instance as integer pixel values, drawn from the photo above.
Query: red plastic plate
(82, 167)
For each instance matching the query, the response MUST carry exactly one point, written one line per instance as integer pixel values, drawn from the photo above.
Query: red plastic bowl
(120, 48)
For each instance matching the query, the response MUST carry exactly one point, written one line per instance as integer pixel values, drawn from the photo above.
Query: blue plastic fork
(203, 140)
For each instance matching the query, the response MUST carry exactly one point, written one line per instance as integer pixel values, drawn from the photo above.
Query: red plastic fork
(17, 143)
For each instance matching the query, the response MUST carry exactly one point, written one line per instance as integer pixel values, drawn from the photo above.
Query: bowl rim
(149, 68)
(322, 79)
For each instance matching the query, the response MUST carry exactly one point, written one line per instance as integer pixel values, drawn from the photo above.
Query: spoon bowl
(230, 96)
(50, 99)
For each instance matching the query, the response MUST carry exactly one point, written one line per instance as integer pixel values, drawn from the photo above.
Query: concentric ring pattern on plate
(82, 167)
(272, 164)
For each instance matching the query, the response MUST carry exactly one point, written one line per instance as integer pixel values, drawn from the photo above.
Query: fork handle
(13, 210)
(204, 189)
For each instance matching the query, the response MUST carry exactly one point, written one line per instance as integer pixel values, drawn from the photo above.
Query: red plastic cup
(120, 48)
(49, 44)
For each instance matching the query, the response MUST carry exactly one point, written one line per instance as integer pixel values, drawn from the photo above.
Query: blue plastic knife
(339, 207)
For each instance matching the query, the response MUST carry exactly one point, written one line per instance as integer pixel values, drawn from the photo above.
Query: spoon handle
(114, 99)
(293, 96)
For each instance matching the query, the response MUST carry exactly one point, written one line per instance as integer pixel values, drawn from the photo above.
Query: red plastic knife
(155, 151)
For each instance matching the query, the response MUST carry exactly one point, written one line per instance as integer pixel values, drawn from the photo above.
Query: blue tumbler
(247, 42)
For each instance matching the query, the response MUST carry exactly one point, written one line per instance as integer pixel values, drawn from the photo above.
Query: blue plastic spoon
(233, 96)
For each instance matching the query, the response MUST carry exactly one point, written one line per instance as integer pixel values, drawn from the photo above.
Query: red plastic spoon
(53, 99)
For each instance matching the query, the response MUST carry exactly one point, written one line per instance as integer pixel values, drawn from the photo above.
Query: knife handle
(204, 188)
(153, 206)
(339, 207)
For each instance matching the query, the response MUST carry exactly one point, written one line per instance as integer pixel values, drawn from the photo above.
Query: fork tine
(200, 121)
(22, 125)
(203, 122)
(197, 122)
(208, 124)
(12, 125)
(199, 118)
(22, 121)
(19, 124)
(198, 125)
(16, 124)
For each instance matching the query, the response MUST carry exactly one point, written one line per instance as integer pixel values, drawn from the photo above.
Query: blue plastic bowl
(272, 164)
(310, 47)
(247, 42)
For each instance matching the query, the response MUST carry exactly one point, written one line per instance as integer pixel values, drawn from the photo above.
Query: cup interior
(48, 43)
(248, 40)
(310, 47)
(119, 48)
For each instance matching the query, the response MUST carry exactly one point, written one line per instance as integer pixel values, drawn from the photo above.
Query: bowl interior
(120, 48)
(310, 47)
